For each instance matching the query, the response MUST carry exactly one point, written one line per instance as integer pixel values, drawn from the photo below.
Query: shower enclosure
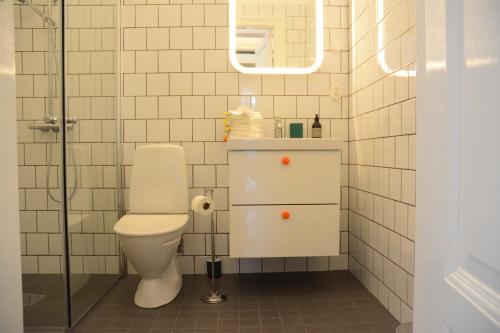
(69, 176)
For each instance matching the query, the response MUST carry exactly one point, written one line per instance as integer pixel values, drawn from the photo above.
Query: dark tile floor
(50, 311)
(319, 302)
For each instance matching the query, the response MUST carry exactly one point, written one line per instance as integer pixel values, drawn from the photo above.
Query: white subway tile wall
(177, 84)
(94, 91)
(91, 84)
(40, 224)
(382, 150)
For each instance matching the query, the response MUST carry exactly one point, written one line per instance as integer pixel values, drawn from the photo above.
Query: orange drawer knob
(285, 160)
(285, 215)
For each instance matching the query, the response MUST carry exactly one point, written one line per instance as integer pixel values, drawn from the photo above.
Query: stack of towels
(245, 123)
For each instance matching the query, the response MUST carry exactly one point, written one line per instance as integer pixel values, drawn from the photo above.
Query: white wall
(177, 83)
(11, 309)
(382, 138)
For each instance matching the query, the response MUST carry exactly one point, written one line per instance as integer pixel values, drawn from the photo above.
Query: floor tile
(314, 302)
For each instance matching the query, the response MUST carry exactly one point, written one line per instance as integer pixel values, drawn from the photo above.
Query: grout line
(381, 281)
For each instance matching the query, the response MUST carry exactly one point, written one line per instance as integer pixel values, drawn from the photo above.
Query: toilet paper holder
(213, 296)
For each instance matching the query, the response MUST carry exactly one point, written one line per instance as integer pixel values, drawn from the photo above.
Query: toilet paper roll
(202, 205)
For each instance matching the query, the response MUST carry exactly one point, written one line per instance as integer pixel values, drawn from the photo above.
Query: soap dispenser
(316, 128)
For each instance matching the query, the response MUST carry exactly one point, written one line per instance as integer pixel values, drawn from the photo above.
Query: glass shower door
(67, 116)
(39, 113)
(91, 152)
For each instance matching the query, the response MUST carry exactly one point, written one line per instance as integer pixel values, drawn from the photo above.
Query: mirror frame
(276, 70)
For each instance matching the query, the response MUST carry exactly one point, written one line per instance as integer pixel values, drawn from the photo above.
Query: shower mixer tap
(51, 123)
(53, 120)
(72, 120)
(49, 119)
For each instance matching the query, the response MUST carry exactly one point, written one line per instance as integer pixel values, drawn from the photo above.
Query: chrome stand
(213, 296)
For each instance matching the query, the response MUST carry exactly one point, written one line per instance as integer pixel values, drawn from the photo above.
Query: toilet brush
(213, 296)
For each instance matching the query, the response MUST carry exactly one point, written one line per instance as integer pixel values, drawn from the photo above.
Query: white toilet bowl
(150, 243)
(151, 232)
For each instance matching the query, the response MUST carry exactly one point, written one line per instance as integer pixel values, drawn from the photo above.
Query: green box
(296, 130)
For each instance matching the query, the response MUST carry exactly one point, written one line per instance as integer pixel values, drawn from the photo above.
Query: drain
(30, 299)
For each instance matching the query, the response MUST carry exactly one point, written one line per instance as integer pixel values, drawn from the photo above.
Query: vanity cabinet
(284, 197)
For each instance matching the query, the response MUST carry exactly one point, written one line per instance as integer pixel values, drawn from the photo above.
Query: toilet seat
(150, 224)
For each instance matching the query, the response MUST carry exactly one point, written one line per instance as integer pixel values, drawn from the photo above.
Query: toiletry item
(296, 130)
(278, 128)
(316, 128)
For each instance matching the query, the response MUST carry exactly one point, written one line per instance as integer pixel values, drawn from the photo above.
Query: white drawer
(261, 231)
(261, 177)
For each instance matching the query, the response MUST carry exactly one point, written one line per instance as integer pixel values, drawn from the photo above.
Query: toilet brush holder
(213, 296)
(217, 267)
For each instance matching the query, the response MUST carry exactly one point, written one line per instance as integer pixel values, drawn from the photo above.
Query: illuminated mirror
(276, 36)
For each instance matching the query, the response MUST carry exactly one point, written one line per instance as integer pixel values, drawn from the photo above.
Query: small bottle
(278, 127)
(316, 128)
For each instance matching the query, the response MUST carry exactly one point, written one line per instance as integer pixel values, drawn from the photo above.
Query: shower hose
(52, 58)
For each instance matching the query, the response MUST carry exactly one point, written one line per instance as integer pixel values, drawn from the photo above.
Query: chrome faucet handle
(71, 120)
(49, 119)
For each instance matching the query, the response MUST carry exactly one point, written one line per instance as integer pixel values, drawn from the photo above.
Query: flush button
(285, 215)
(285, 160)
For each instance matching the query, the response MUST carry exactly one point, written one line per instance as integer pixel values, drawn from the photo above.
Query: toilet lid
(150, 224)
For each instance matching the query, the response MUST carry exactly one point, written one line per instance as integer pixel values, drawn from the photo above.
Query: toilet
(158, 213)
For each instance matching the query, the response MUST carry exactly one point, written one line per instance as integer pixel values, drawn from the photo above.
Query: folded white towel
(246, 123)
